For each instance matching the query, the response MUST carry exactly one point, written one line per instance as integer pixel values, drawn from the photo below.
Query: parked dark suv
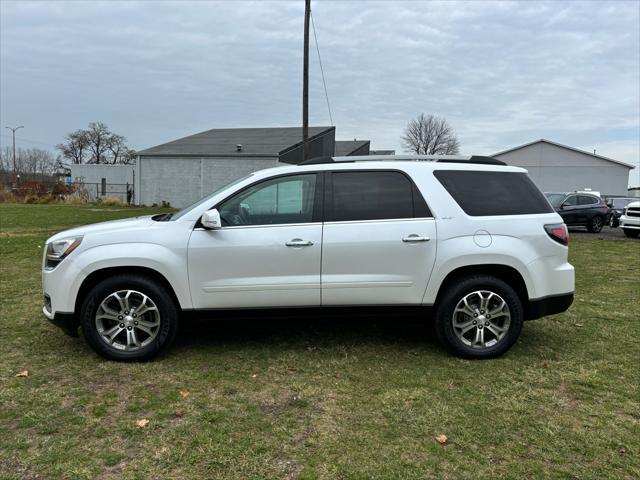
(580, 209)
(617, 208)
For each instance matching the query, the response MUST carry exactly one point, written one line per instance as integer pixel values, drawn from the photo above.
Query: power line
(313, 24)
(28, 140)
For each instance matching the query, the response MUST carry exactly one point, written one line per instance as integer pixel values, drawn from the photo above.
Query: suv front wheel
(479, 317)
(129, 317)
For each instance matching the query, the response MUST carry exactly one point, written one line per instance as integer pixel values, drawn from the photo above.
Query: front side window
(571, 201)
(374, 196)
(279, 201)
(555, 199)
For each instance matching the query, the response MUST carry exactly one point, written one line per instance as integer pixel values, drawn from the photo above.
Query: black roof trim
(318, 161)
(477, 159)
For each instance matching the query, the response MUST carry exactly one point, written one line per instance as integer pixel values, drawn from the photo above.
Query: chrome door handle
(298, 242)
(415, 238)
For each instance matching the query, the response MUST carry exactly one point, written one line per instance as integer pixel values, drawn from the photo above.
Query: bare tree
(6, 164)
(75, 146)
(430, 135)
(99, 137)
(96, 144)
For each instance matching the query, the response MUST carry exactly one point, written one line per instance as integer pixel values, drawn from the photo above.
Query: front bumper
(68, 322)
(541, 307)
(631, 222)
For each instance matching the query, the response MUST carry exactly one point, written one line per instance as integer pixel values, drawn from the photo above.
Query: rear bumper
(66, 321)
(541, 307)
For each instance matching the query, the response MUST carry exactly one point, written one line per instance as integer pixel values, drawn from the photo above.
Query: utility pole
(305, 84)
(13, 131)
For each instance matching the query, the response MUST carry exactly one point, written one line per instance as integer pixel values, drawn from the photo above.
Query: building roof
(347, 147)
(266, 142)
(584, 152)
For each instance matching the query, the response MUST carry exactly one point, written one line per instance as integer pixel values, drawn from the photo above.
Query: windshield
(555, 199)
(186, 210)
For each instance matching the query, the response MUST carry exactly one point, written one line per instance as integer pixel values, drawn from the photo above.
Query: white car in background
(630, 220)
(469, 241)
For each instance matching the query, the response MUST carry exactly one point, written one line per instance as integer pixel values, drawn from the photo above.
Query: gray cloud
(502, 73)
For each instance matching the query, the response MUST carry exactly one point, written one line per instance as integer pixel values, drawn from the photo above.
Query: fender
(498, 253)
(173, 265)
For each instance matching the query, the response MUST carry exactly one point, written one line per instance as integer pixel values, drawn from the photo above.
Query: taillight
(558, 232)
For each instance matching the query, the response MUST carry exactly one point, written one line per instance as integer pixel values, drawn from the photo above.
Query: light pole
(13, 131)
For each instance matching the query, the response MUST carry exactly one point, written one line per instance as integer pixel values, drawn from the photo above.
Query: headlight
(59, 249)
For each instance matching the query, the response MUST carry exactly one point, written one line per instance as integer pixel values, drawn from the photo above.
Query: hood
(103, 227)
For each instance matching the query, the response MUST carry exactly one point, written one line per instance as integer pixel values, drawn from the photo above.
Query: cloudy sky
(502, 73)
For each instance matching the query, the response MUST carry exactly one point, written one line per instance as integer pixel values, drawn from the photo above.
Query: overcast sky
(502, 73)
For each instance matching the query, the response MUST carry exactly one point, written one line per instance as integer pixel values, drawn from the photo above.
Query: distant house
(559, 168)
(184, 170)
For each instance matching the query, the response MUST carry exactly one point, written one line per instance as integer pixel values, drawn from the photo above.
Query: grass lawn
(324, 398)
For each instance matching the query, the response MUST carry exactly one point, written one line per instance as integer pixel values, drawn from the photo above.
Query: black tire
(166, 308)
(631, 233)
(455, 293)
(595, 224)
(614, 222)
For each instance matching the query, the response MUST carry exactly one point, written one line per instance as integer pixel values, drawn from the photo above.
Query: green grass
(328, 398)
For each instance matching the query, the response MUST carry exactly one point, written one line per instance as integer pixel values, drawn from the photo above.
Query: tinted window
(587, 200)
(374, 196)
(555, 199)
(282, 200)
(481, 193)
(571, 200)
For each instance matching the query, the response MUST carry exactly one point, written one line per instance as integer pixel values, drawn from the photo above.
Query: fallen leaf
(441, 439)
(254, 375)
(545, 365)
(622, 450)
(143, 422)
(579, 324)
(184, 393)
(23, 373)
(179, 413)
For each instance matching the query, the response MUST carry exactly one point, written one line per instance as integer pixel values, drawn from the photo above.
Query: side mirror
(211, 220)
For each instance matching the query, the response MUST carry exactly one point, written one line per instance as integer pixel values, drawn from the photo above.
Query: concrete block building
(182, 171)
(559, 168)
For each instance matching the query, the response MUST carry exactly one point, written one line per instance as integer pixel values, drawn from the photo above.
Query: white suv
(469, 239)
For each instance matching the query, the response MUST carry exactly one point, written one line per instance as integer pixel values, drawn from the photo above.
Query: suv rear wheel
(479, 317)
(129, 317)
(595, 224)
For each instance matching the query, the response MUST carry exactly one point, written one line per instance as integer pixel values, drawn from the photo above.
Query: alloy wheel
(127, 320)
(481, 319)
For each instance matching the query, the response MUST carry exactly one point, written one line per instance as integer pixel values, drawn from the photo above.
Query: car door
(379, 239)
(267, 252)
(586, 208)
(568, 210)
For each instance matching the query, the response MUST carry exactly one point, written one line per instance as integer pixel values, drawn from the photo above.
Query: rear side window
(482, 193)
(374, 196)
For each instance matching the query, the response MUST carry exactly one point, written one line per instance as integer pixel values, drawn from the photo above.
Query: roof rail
(477, 159)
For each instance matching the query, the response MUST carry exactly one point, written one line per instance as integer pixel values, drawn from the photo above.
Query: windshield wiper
(162, 217)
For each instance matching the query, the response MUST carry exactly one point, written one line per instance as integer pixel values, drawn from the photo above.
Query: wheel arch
(503, 272)
(97, 276)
